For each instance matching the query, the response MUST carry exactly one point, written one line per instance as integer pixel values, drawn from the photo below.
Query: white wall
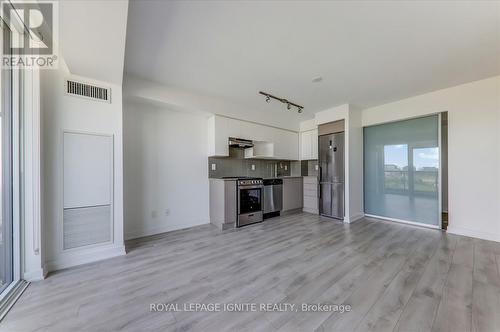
(165, 167)
(34, 255)
(332, 114)
(92, 38)
(473, 150)
(60, 112)
(356, 195)
(308, 125)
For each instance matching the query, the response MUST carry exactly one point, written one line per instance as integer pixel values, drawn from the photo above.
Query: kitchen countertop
(221, 179)
(284, 177)
(267, 178)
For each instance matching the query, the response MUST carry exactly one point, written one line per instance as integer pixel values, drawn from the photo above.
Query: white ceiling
(92, 38)
(368, 52)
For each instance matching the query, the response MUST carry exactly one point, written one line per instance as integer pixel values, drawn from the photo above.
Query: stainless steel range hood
(240, 143)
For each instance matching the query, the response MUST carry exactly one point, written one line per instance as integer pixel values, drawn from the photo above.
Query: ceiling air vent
(88, 91)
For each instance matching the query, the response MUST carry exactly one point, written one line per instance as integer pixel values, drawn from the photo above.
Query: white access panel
(88, 170)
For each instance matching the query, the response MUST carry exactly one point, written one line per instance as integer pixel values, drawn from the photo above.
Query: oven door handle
(251, 187)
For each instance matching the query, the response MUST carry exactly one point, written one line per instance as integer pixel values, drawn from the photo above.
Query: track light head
(268, 99)
(299, 109)
(288, 106)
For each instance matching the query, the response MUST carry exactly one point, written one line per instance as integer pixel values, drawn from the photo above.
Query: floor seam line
(444, 285)
(381, 296)
(413, 291)
(472, 293)
(370, 255)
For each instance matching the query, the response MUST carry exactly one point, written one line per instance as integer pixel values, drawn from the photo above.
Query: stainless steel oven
(250, 202)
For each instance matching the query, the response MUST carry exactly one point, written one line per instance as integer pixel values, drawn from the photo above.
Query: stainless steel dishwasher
(273, 197)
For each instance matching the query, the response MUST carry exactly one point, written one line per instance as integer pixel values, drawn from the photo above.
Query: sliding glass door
(6, 193)
(401, 170)
(6, 258)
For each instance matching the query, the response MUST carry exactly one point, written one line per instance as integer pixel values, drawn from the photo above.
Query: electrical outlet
(167, 212)
(286, 167)
(316, 167)
(154, 214)
(253, 167)
(214, 167)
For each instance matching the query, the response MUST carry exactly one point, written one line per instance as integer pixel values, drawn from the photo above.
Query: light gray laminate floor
(395, 277)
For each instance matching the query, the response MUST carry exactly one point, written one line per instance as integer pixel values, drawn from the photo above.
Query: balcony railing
(424, 182)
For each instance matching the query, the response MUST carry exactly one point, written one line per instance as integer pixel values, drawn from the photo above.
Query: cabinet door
(314, 144)
(305, 144)
(292, 193)
(218, 136)
(280, 144)
(292, 145)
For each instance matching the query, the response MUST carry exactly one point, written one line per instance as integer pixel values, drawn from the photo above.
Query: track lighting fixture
(289, 104)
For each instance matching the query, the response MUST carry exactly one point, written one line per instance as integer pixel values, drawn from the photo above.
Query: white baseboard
(35, 275)
(473, 233)
(84, 256)
(354, 218)
(313, 211)
(148, 231)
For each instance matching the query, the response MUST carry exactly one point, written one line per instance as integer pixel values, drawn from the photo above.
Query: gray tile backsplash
(311, 168)
(308, 167)
(243, 167)
(237, 165)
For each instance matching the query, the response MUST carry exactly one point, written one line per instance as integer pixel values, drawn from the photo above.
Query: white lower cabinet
(310, 194)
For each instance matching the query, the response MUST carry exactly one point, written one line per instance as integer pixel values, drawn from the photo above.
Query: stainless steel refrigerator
(331, 175)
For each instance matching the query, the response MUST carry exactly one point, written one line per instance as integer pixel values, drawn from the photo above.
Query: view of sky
(423, 157)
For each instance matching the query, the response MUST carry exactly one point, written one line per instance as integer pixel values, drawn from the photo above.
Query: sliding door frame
(440, 171)
(15, 183)
(12, 99)
(6, 156)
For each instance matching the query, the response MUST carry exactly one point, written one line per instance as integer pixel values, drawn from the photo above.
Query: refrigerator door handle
(320, 172)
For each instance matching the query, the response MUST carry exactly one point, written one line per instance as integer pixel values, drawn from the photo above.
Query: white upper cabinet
(314, 138)
(285, 143)
(218, 137)
(305, 145)
(260, 150)
(309, 145)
